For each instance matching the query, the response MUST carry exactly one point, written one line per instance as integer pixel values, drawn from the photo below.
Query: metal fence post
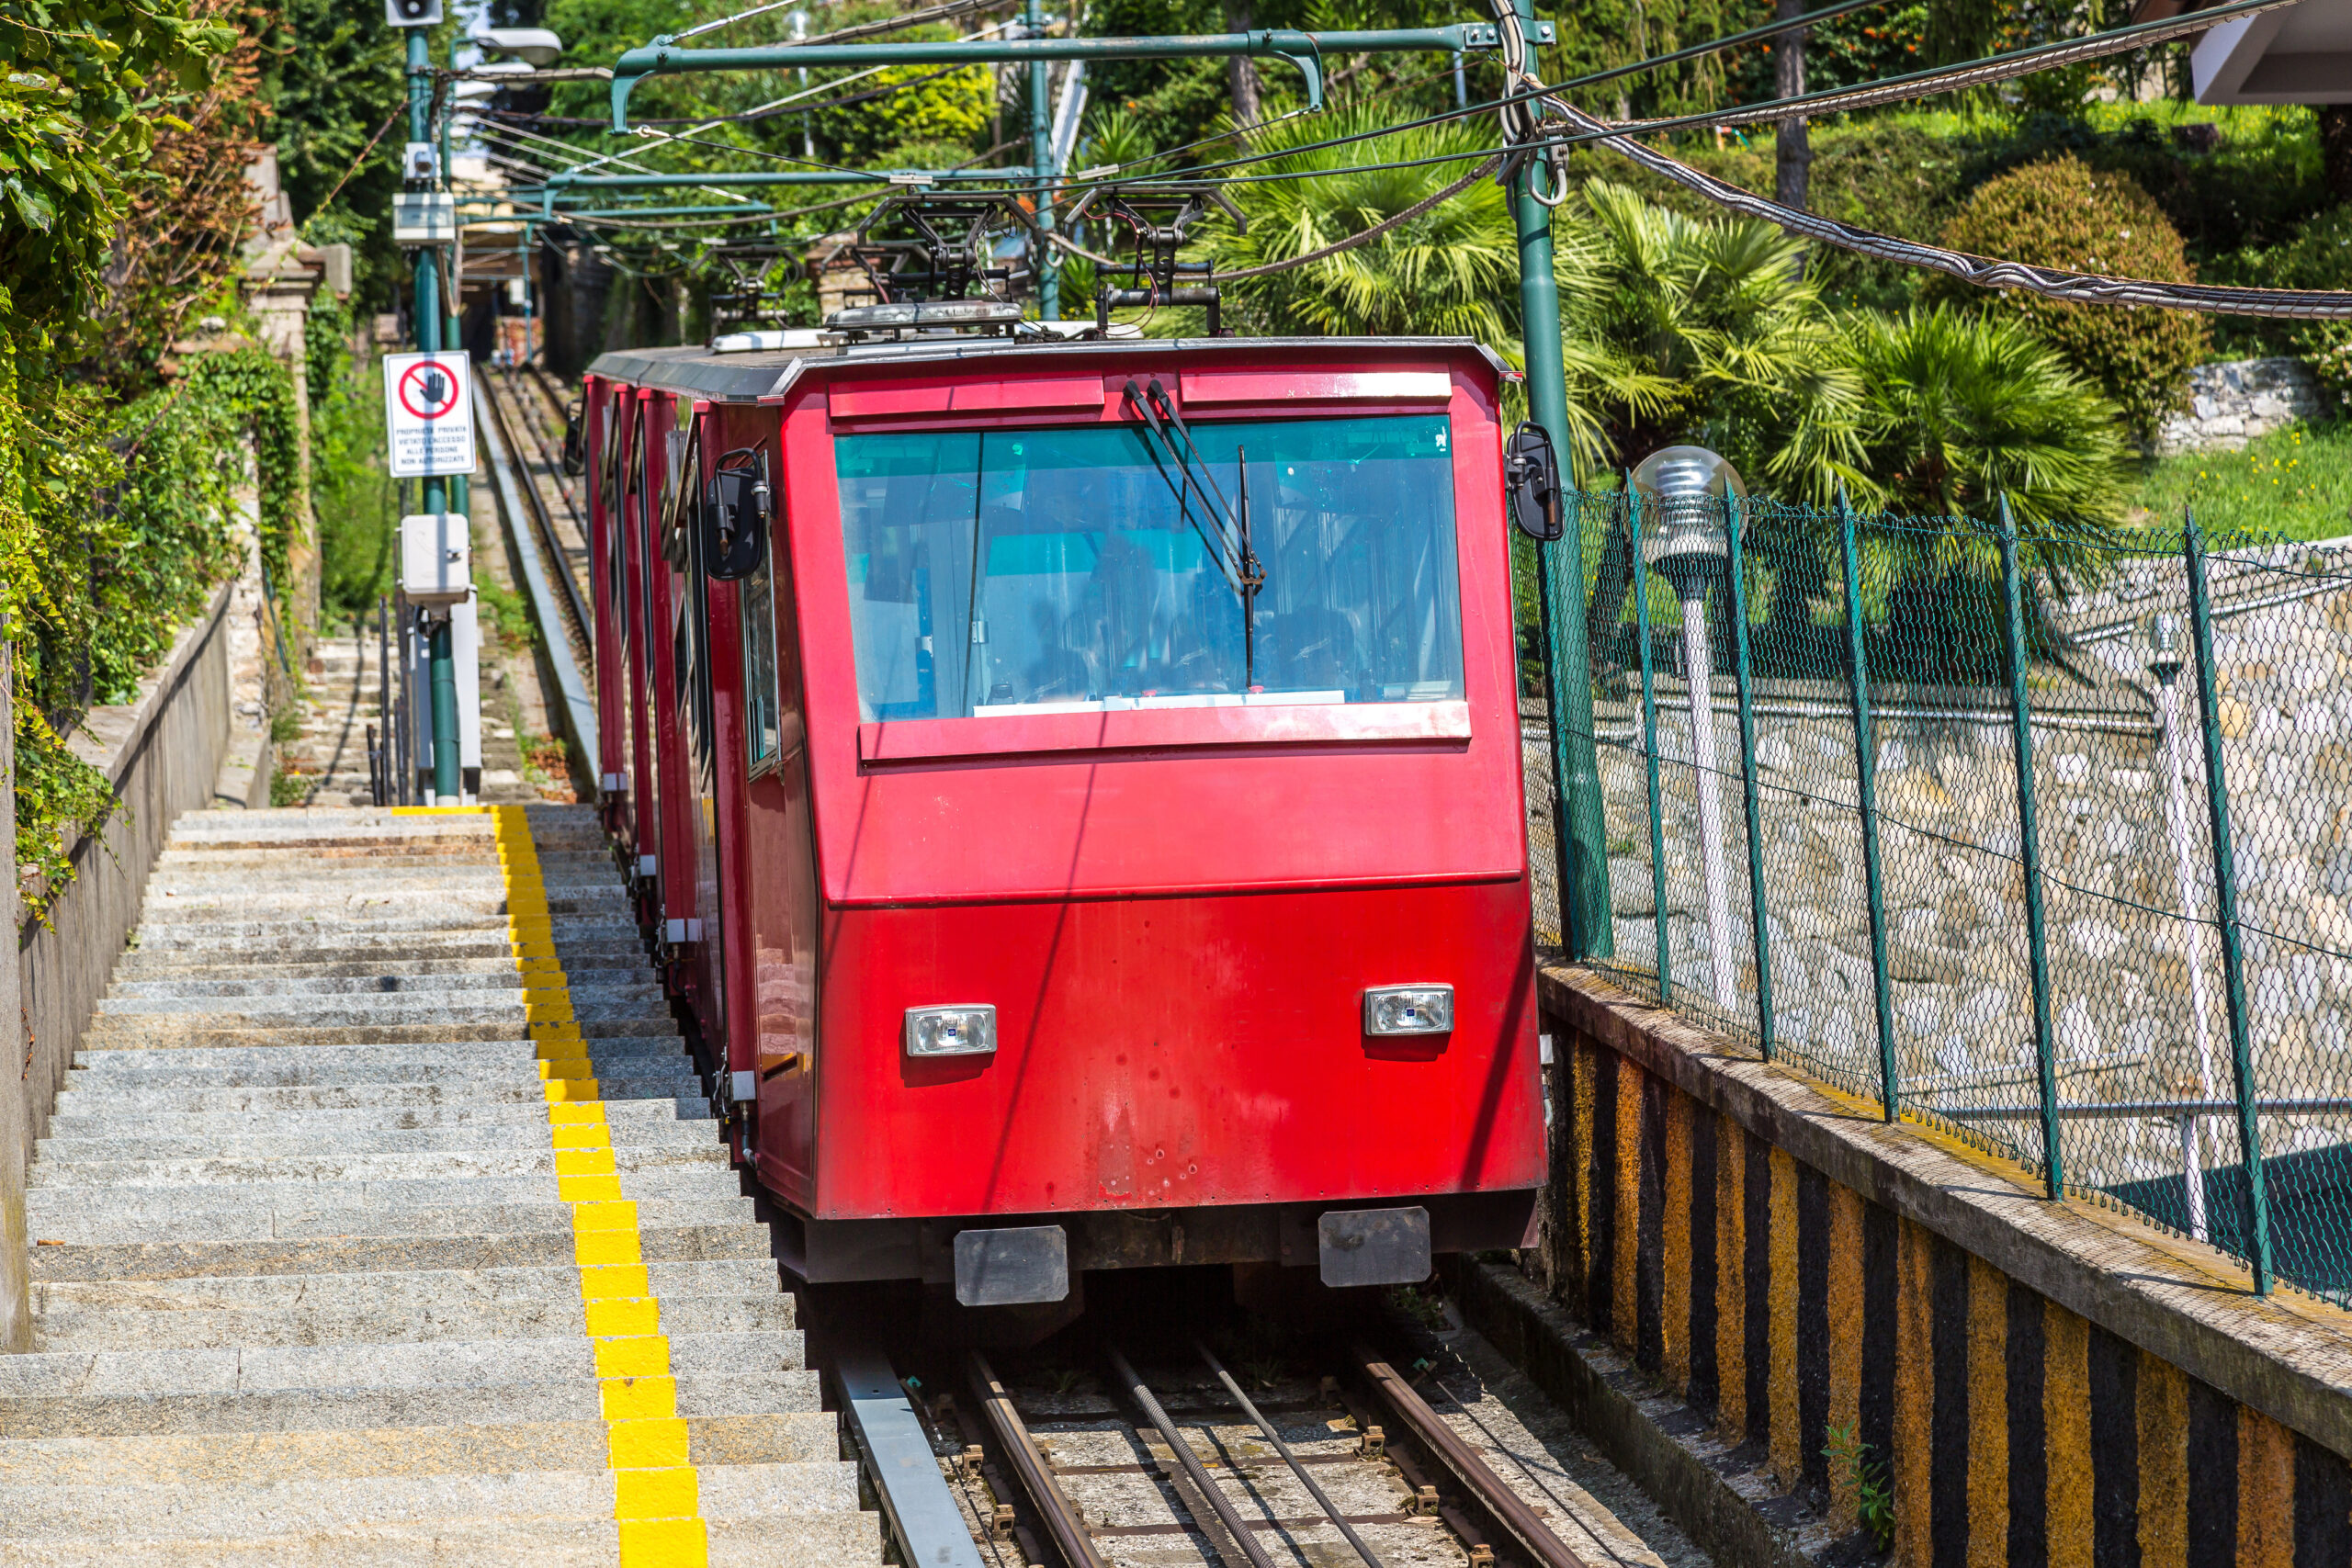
(1650, 737)
(2030, 852)
(1866, 780)
(1574, 939)
(2225, 898)
(1755, 901)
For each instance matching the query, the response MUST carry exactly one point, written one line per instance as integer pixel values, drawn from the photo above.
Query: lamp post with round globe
(1684, 491)
(2163, 663)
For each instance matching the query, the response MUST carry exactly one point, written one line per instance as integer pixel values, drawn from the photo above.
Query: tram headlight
(963, 1031)
(1409, 1009)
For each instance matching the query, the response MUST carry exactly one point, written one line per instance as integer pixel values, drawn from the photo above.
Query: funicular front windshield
(1109, 580)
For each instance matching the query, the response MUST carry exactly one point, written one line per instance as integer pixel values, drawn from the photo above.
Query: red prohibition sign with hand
(428, 391)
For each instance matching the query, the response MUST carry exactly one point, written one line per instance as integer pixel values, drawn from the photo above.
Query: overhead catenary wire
(1982, 72)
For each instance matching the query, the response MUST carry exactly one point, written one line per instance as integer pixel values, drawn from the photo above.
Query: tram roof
(702, 372)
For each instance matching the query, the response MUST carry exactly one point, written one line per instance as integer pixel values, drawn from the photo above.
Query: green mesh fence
(1824, 842)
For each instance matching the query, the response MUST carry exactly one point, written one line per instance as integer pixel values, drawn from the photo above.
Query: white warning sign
(429, 414)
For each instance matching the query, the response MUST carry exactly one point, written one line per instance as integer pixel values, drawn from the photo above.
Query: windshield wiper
(1235, 558)
(1219, 549)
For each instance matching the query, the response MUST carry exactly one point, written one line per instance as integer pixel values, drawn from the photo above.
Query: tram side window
(1004, 572)
(760, 723)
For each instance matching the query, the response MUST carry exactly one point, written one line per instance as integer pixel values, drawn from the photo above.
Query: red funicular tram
(1077, 787)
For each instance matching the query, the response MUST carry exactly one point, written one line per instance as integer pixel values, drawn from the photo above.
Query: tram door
(704, 957)
(637, 641)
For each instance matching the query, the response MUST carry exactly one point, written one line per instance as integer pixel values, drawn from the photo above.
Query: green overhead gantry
(1585, 916)
(665, 57)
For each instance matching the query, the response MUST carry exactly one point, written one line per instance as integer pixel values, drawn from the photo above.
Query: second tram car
(1076, 788)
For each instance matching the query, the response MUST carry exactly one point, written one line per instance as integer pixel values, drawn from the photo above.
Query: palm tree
(1959, 408)
(1451, 272)
(1707, 329)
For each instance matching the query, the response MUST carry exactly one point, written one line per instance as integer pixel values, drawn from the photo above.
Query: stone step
(474, 1364)
(499, 983)
(325, 1171)
(121, 1140)
(484, 1007)
(82, 1330)
(758, 1540)
(59, 1221)
(165, 1078)
(366, 1061)
(637, 1120)
(577, 1398)
(405, 1291)
(541, 1238)
(267, 1507)
(147, 1031)
(361, 1096)
(503, 1448)
(295, 964)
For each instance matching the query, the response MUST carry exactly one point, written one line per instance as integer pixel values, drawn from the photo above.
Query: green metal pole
(1571, 506)
(1866, 782)
(1586, 922)
(1759, 924)
(1649, 742)
(1041, 159)
(2037, 936)
(447, 780)
(2226, 896)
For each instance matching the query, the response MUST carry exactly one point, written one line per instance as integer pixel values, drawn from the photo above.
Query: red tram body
(991, 726)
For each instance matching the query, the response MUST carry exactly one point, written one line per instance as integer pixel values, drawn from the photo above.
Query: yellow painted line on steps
(656, 1491)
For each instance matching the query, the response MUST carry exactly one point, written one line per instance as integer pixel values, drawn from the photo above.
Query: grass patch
(2296, 482)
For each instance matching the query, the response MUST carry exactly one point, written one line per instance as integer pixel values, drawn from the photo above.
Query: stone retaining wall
(2232, 402)
(162, 753)
(1780, 1274)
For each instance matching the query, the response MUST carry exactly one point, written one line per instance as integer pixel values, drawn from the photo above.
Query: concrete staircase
(381, 1221)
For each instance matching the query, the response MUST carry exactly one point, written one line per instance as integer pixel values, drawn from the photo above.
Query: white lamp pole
(1684, 488)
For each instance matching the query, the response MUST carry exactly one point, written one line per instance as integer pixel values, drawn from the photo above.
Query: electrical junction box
(465, 655)
(424, 218)
(436, 558)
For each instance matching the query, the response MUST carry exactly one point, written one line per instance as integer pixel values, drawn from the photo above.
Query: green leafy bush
(2063, 213)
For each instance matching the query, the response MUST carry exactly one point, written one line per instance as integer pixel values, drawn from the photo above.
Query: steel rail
(575, 604)
(1141, 1393)
(1062, 1523)
(1266, 1428)
(550, 458)
(579, 704)
(1447, 1448)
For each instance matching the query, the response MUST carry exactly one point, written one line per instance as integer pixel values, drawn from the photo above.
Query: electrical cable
(2057, 283)
(1363, 237)
(1983, 71)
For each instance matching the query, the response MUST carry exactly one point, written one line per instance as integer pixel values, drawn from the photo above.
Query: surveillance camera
(412, 12)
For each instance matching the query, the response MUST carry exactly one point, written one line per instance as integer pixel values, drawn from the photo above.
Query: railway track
(551, 570)
(1188, 1460)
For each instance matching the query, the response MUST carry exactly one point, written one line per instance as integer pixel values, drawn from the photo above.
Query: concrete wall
(1774, 1269)
(161, 754)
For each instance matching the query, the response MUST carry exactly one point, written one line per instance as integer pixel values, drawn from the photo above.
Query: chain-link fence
(2132, 948)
